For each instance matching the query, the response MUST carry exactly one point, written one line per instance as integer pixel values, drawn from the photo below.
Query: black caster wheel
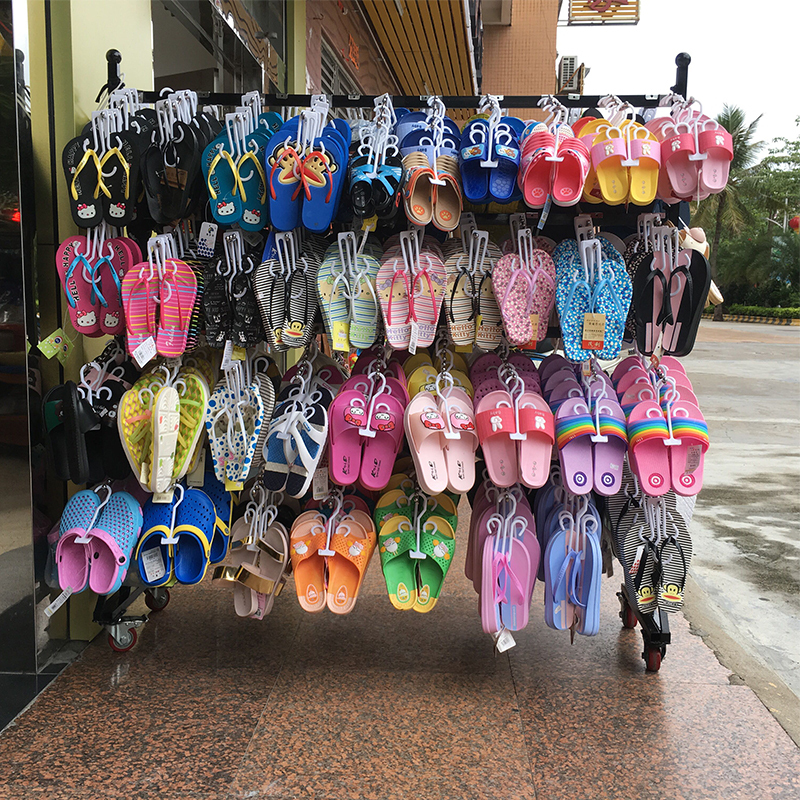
(157, 603)
(124, 644)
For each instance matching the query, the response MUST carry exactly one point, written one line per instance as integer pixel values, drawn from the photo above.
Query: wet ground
(747, 520)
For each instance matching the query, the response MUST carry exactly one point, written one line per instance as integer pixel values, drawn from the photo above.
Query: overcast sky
(743, 53)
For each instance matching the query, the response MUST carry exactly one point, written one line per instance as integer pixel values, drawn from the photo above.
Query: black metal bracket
(682, 60)
(114, 79)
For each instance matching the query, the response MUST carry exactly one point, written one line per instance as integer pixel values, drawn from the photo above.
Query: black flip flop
(698, 282)
(121, 178)
(82, 170)
(216, 308)
(644, 303)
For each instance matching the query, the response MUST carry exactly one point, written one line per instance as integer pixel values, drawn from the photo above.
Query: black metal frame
(682, 60)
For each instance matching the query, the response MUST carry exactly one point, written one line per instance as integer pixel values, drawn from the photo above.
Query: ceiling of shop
(426, 44)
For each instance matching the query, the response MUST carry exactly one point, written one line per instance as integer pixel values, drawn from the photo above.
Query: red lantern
(794, 224)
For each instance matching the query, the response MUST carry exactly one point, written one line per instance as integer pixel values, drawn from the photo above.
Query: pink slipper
(535, 451)
(574, 429)
(686, 458)
(380, 450)
(461, 440)
(71, 262)
(717, 144)
(513, 288)
(423, 425)
(347, 416)
(494, 416)
(647, 433)
(178, 293)
(139, 304)
(609, 456)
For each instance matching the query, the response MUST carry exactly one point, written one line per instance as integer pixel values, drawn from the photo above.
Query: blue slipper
(194, 530)
(283, 169)
(153, 557)
(323, 174)
(503, 178)
(222, 182)
(223, 507)
(474, 177)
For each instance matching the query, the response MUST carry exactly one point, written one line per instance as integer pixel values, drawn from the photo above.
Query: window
(335, 77)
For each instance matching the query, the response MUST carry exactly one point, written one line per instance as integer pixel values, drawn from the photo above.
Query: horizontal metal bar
(413, 101)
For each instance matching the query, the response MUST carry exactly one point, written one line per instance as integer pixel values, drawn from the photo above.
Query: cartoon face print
(316, 168)
(111, 320)
(461, 421)
(390, 545)
(384, 421)
(251, 217)
(355, 415)
(441, 550)
(355, 549)
(284, 162)
(433, 419)
(294, 329)
(86, 210)
(117, 210)
(225, 209)
(86, 319)
(300, 547)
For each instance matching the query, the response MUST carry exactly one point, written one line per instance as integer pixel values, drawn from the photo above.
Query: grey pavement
(746, 528)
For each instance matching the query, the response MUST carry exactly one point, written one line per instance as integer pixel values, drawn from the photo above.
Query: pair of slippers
(158, 304)
(97, 538)
(590, 428)
(416, 553)
(513, 422)
(502, 557)
(285, 286)
(572, 564)
(670, 291)
(177, 537)
(330, 554)
(554, 163)
(489, 158)
(92, 281)
(593, 282)
(348, 298)
(411, 285)
(305, 183)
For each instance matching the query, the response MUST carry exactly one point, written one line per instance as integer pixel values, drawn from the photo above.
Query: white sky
(744, 52)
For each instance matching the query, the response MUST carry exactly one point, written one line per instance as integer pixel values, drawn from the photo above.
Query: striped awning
(427, 44)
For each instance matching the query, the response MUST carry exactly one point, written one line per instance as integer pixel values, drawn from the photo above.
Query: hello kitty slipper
(74, 270)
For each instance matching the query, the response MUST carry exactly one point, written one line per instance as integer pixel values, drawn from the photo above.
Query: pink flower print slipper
(513, 289)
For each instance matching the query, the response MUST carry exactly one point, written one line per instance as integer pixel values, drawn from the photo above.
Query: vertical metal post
(682, 60)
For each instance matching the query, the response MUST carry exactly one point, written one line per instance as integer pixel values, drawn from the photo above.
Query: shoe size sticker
(694, 453)
(153, 563)
(58, 602)
(594, 331)
(145, 352)
(163, 497)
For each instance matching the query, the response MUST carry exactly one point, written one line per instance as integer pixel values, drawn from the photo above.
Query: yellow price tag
(239, 354)
(341, 336)
(233, 486)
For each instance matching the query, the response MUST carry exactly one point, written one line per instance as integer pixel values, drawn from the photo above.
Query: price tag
(227, 356)
(207, 240)
(504, 641)
(545, 214)
(233, 486)
(531, 345)
(153, 563)
(341, 336)
(594, 331)
(239, 354)
(163, 497)
(693, 456)
(197, 477)
(637, 560)
(145, 352)
(56, 344)
(58, 602)
(370, 223)
(412, 343)
(319, 486)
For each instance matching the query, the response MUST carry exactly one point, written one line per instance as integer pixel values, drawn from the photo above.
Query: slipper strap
(429, 542)
(247, 577)
(647, 429)
(611, 426)
(405, 541)
(716, 138)
(149, 532)
(496, 422)
(696, 429)
(198, 532)
(312, 542)
(570, 428)
(535, 420)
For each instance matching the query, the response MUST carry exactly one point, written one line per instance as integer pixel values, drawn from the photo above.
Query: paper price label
(58, 602)
(545, 213)
(197, 477)
(340, 336)
(693, 456)
(153, 563)
(233, 486)
(531, 345)
(163, 497)
(239, 354)
(145, 352)
(370, 223)
(319, 486)
(414, 339)
(504, 641)
(227, 356)
(594, 331)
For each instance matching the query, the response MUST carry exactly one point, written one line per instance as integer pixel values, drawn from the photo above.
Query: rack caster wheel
(628, 618)
(652, 658)
(157, 600)
(126, 641)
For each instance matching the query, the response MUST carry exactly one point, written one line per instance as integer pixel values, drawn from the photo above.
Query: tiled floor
(383, 704)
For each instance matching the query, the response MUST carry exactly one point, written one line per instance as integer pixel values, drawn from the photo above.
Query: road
(746, 528)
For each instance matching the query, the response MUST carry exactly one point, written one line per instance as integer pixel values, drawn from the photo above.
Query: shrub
(764, 311)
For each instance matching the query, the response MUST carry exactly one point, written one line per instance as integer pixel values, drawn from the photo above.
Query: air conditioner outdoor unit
(569, 74)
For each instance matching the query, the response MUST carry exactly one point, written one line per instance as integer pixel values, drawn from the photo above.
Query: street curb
(747, 318)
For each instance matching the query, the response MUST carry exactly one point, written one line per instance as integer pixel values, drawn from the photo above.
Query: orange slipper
(354, 547)
(308, 566)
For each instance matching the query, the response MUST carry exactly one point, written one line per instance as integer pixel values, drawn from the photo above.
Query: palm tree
(725, 211)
